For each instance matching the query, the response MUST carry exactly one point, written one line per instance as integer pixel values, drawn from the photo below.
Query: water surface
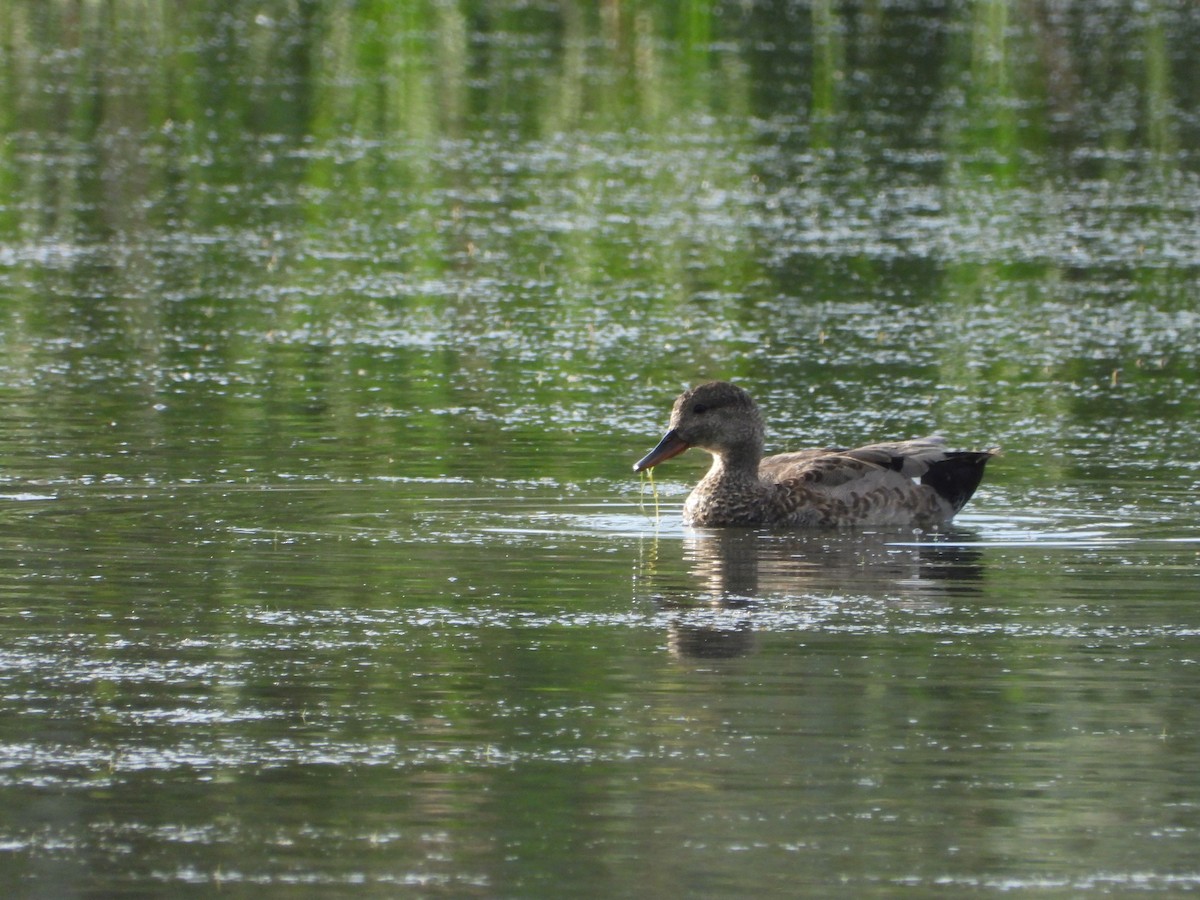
(329, 334)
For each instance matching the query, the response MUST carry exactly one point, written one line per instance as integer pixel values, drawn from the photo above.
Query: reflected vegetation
(329, 330)
(386, 214)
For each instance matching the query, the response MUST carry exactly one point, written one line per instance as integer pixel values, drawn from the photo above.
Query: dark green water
(329, 332)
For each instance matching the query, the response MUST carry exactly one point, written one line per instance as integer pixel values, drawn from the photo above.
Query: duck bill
(671, 445)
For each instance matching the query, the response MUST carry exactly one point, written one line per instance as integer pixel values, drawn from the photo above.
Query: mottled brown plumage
(911, 483)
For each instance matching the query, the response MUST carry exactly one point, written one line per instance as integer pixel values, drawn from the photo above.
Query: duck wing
(911, 458)
(876, 484)
(952, 474)
(813, 468)
(839, 464)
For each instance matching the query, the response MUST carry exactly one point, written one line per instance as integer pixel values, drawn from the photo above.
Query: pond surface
(329, 333)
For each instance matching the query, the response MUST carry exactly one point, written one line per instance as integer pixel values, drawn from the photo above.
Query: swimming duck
(908, 483)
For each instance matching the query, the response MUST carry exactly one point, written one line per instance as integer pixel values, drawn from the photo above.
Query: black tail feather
(956, 477)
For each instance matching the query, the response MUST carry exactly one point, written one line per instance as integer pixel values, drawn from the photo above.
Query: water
(329, 336)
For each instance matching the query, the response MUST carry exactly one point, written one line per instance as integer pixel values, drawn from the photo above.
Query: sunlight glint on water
(330, 335)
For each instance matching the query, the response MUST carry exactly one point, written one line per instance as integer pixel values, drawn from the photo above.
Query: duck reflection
(738, 575)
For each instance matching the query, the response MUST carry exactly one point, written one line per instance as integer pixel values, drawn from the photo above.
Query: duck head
(718, 417)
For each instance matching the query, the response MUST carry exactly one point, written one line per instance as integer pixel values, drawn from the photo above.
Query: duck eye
(699, 409)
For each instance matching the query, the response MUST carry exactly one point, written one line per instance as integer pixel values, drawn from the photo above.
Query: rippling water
(412, 690)
(329, 336)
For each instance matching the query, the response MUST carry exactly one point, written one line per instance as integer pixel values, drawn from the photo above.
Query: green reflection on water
(329, 331)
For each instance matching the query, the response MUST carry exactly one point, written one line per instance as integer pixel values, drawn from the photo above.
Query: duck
(917, 483)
